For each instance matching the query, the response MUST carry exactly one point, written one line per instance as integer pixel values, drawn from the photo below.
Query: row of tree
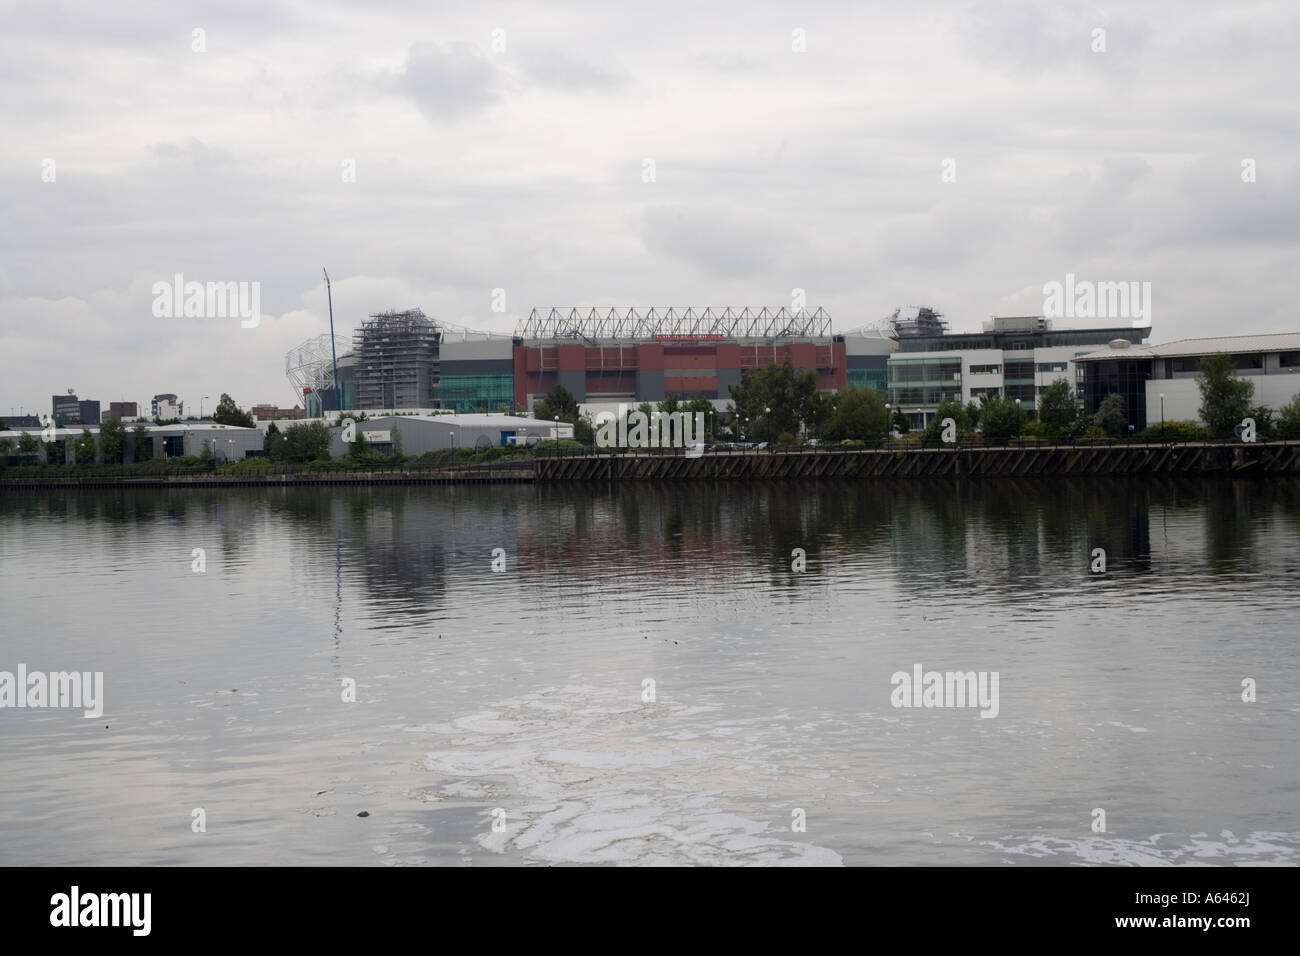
(111, 447)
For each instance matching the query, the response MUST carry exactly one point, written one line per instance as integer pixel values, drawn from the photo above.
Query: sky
(477, 160)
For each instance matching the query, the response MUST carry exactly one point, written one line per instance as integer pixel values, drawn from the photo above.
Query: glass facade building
(471, 393)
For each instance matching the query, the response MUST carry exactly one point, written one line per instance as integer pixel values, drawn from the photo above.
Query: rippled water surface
(524, 691)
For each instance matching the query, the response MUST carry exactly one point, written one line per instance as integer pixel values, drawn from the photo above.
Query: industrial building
(1013, 356)
(423, 433)
(228, 442)
(604, 356)
(1158, 382)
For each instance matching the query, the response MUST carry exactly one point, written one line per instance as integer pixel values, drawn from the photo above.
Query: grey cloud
(449, 82)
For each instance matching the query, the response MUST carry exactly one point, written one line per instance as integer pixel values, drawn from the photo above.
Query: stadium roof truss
(310, 365)
(633, 324)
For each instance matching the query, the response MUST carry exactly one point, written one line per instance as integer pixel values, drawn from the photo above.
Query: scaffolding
(397, 360)
(633, 324)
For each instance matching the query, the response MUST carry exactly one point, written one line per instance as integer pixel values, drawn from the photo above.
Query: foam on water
(597, 779)
(1198, 849)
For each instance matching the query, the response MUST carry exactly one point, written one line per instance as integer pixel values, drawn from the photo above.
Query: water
(522, 691)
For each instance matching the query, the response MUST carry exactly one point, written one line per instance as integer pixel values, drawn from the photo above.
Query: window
(1052, 366)
(985, 369)
(1289, 360)
(1019, 373)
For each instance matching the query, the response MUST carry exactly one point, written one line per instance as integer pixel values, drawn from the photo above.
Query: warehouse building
(417, 434)
(227, 442)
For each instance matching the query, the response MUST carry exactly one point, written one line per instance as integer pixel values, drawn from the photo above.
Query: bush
(250, 466)
(1001, 419)
(1288, 422)
(1176, 431)
(786, 438)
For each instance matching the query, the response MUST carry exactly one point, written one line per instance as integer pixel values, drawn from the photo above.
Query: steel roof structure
(638, 324)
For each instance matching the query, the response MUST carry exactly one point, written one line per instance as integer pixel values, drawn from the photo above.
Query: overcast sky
(524, 168)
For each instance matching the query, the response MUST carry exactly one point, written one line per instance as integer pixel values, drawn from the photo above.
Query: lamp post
(230, 453)
(201, 401)
(1162, 413)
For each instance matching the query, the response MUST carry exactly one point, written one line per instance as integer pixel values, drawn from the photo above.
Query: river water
(645, 679)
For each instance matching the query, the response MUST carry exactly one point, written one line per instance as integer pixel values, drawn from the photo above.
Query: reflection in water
(523, 688)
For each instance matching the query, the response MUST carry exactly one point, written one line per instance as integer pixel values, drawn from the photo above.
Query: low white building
(422, 433)
(227, 442)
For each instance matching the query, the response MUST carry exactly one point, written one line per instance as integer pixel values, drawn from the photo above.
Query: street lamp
(557, 429)
(1162, 412)
(201, 401)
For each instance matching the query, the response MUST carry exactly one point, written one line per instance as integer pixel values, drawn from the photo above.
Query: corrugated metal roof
(1233, 344)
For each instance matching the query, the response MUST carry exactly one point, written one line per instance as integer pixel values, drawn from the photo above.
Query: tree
(228, 413)
(274, 444)
(307, 441)
(28, 446)
(359, 450)
(83, 448)
(900, 422)
(1288, 421)
(6, 446)
(112, 441)
(973, 413)
(954, 410)
(1057, 409)
(558, 401)
(1112, 415)
(141, 443)
(776, 399)
(859, 413)
(1225, 399)
(1001, 419)
(670, 405)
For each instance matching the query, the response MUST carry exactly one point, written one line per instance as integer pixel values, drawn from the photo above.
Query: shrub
(1176, 431)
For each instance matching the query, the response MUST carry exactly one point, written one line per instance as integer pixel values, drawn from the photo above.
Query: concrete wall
(1183, 398)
